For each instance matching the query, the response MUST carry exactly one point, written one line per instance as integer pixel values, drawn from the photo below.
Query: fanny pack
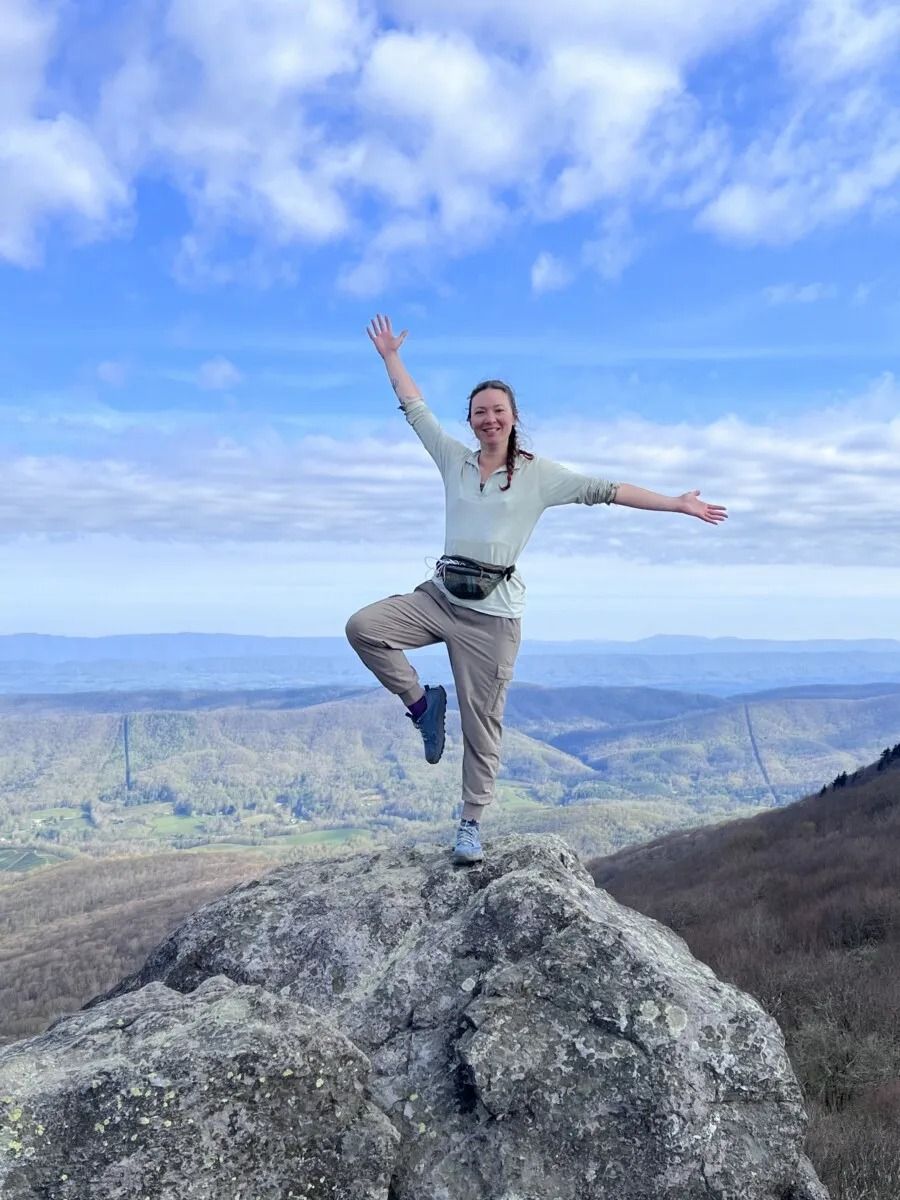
(468, 579)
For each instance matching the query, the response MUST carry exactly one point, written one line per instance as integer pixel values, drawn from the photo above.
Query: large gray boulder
(526, 1037)
(229, 1092)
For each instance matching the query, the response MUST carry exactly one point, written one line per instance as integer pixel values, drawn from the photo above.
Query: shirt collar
(473, 459)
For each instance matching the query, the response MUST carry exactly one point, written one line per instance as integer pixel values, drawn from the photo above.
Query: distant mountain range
(181, 647)
(43, 664)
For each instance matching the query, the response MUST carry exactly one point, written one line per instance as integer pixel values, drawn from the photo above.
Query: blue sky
(675, 233)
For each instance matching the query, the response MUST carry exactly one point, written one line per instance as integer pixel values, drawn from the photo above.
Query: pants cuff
(472, 812)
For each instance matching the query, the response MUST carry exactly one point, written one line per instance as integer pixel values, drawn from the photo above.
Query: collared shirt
(491, 525)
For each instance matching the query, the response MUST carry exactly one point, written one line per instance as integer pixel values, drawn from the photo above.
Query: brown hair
(513, 450)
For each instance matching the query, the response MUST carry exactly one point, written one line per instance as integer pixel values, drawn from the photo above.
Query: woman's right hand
(382, 336)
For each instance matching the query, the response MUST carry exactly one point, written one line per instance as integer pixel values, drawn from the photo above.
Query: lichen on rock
(161, 1094)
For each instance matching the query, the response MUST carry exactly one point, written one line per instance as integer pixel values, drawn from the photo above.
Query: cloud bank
(821, 488)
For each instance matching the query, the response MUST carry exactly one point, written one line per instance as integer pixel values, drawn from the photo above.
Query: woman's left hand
(691, 504)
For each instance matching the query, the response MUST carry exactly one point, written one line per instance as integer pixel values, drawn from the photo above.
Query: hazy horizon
(875, 641)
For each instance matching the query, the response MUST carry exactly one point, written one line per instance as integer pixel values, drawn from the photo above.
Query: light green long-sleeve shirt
(491, 525)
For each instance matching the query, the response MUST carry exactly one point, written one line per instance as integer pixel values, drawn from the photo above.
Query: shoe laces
(467, 837)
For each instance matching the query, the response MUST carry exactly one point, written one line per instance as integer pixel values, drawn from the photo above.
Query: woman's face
(492, 420)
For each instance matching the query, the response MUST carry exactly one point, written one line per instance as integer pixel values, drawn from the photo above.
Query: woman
(494, 498)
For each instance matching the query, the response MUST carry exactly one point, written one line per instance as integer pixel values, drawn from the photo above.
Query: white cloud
(832, 39)
(251, 55)
(223, 110)
(412, 130)
(198, 264)
(604, 102)
(833, 154)
(405, 241)
(51, 165)
(216, 374)
(467, 120)
(549, 273)
(816, 488)
(799, 293)
(657, 26)
(497, 139)
(617, 245)
(25, 34)
(457, 150)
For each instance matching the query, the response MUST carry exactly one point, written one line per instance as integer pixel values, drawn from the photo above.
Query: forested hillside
(749, 750)
(549, 713)
(801, 907)
(242, 772)
(68, 933)
(89, 772)
(171, 700)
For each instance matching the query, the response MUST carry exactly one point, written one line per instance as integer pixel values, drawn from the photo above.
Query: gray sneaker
(468, 843)
(431, 722)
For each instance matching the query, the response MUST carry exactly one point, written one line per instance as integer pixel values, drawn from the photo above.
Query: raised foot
(431, 722)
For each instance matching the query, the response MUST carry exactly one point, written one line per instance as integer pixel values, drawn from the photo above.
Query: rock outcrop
(228, 1092)
(388, 1026)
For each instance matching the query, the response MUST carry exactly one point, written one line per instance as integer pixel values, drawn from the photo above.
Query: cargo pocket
(498, 691)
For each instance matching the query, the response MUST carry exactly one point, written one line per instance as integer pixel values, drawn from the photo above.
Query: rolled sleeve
(559, 485)
(444, 449)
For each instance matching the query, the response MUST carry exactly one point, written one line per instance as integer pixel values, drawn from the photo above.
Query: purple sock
(416, 710)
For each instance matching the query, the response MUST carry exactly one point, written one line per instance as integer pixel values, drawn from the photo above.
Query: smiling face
(492, 418)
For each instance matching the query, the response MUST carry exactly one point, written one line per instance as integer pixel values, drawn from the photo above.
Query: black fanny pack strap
(472, 564)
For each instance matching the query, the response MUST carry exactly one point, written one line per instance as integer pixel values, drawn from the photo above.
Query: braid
(511, 451)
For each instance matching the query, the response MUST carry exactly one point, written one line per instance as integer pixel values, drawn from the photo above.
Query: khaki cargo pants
(482, 650)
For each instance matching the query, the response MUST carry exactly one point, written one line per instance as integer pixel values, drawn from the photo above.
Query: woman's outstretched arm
(388, 346)
(559, 485)
(688, 503)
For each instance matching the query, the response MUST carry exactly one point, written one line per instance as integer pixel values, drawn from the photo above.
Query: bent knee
(353, 628)
(358, 628)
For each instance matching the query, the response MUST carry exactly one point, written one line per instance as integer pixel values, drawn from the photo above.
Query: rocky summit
(387, 1026)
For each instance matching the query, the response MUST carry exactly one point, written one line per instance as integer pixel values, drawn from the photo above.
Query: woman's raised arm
(442, 448)
(388, 346)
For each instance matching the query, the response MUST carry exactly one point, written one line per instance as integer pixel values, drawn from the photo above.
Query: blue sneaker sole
(440, 714)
